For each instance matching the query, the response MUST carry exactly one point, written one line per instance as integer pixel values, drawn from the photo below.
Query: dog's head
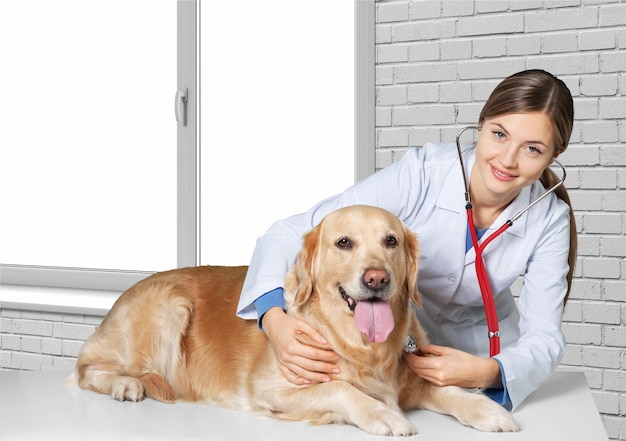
(359, 260)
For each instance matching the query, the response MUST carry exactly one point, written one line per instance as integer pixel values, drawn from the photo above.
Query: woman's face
(511, 152)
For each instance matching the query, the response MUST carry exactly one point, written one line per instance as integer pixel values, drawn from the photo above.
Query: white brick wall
(437, 62)
(42, 341)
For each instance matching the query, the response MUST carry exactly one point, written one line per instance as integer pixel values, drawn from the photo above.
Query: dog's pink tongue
(374, 319)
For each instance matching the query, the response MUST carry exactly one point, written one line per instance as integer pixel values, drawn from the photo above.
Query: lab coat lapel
(452, 200)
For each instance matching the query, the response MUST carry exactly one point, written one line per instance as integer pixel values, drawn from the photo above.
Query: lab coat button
(452, 279)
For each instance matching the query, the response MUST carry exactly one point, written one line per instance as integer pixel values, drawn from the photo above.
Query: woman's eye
(344, 242)
(392, 241)
(533, 149)
(499, 134)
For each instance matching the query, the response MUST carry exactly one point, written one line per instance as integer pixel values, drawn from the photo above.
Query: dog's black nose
(376, 279)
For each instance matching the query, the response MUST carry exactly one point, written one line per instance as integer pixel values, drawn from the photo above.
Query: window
(102, 186)
(88, 156)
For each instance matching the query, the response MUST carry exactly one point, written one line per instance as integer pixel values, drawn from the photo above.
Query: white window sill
(60, 300)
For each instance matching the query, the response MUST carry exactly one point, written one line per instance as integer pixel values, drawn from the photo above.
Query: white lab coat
(425, 189)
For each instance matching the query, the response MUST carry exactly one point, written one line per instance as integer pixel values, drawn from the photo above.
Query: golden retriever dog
(175, 336)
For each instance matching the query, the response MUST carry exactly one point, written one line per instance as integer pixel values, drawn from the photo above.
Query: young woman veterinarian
(524, 125)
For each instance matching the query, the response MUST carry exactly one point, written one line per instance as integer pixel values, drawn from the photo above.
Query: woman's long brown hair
(540, 91)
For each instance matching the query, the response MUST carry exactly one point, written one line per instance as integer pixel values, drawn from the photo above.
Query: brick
(586, 289)
(577, 63)
(32, 327)
(603, 223)
(73, 331)
(11, 343)
(391, 95)
(573, 356)
(614, 247)
(615, 380)
(423, 93)
(383, 117)
(388, 12)
(510, 23)
(602, 131)
(6, 325)
(597, 40)
(613, 108)
(467, 114)
(383, 34)
(521, 5)
(484, 6)
(523, 44)
(51, 346)
(580, 156)
(425, 10)
(606, 403)
(456, 49)
(597, 85)
(614, 290)
(488, 68)
(589, 245)
(421, 31)
(392, 53)
(613, 62)
(425, 51)
(490, 47)
(71, 348)
(585, 200)
(456, 93)
(561, 19)
(582, 334)
(609, 313)
(456, 8)
(601, 268)
(559, 43)
(392, 138)
(601, 358)
(444, 71)
(420, 115)
(613, 15)
(615, 336)
(384, 75)
(573, 310)
(418, 136)
(586, 108)
(598, 179)
(31, 344)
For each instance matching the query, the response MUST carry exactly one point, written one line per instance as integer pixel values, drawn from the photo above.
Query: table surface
(38, 406)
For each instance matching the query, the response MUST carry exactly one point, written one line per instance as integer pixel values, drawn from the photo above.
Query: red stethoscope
(481, 271)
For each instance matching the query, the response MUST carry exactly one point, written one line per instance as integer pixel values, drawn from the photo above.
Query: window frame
(188, 137)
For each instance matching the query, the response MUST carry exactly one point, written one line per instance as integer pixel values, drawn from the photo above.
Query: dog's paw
(127, 388)
(387, 422)
(488, 416)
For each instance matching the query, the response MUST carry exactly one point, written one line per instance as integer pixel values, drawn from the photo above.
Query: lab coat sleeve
(275, 252)
(540, 348)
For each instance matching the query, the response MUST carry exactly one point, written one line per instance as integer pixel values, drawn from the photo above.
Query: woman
(526, 122)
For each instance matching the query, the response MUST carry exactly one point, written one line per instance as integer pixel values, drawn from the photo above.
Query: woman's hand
(298, 362)
(444, 366)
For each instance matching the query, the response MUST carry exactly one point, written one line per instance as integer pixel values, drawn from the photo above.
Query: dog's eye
(391, 241)
(344, 242)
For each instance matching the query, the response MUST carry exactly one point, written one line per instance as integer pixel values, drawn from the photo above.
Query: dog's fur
(175, 336)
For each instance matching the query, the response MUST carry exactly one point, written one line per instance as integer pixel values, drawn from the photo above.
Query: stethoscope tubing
(481, 271)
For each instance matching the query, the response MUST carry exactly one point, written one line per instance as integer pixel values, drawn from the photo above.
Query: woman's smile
(501, 174)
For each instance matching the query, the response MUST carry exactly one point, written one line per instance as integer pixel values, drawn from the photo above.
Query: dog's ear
(303, 269)
(411, 248)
